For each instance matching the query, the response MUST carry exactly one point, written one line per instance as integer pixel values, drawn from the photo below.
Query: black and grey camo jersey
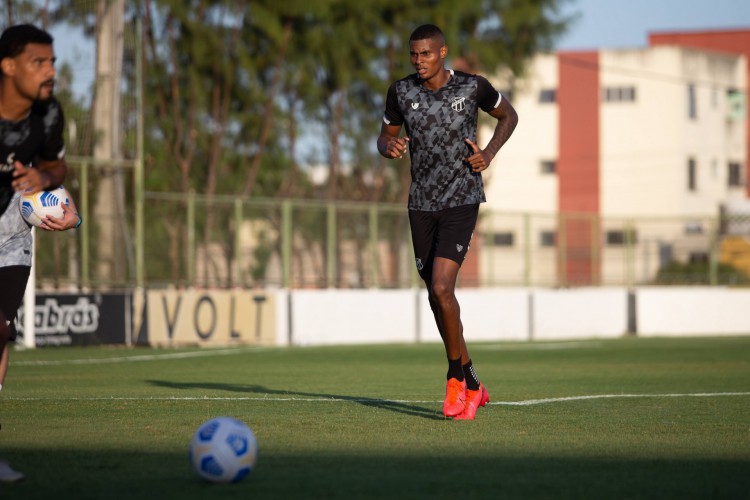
(437, 124)
(39, 136)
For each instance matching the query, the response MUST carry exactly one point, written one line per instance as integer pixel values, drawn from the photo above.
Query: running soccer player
(31, 159)
(439, 108)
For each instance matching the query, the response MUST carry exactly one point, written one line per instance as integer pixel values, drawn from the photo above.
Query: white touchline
(377, 401)
(143, 357)
(530, 402)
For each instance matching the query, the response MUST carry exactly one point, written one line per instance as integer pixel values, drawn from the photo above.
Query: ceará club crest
(457, 103)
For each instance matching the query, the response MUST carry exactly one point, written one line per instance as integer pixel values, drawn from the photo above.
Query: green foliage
(330, 74)
(226, 81)
(699, 273)
(239, 96)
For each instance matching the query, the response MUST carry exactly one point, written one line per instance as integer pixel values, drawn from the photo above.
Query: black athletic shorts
(445, 233)
(13, 281)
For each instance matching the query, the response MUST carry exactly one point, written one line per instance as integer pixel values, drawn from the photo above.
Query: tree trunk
(111, 236)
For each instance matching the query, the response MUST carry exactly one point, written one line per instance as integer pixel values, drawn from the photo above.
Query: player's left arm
(48, 174)
(507, 119)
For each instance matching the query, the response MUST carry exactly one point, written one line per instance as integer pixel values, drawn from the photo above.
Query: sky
(601, 24)
(619, 24)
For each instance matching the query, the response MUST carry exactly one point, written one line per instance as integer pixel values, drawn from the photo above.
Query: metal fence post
(330, 245)
(629, 253)
(83, 210)
(191, 237)
(374, 274)
(526, 250)
(713, 258)
(562, 265)
(286, 243)
(237, 243)
(597, 274)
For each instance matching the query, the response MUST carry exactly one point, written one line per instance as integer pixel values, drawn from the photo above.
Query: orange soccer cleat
(455, 397)
(474, 399)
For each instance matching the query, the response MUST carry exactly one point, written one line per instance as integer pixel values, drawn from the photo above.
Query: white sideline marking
(143, 357)
(541, 346)
(531, 402)
(528, 402)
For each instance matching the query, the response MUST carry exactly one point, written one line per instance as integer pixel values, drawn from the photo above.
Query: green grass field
(626, 418)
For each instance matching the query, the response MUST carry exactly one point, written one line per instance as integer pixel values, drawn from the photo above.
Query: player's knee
(442, 291)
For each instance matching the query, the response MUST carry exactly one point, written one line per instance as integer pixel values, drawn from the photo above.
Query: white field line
(376, 401)
(242, 350)
(142, 357)
(238, 350)
(531, 402)
(539, 346)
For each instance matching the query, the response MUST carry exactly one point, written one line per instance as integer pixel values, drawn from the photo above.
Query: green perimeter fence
(222, 241)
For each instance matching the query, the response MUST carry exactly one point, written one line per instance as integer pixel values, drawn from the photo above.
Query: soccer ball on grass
(36, 207)
(223, 450)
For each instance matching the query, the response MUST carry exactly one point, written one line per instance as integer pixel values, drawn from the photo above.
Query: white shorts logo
(419, 265)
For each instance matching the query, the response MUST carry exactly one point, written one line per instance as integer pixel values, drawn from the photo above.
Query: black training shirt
(437, 124)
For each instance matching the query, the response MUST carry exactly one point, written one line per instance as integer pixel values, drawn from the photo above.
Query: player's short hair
(14, 40)
(427, 32)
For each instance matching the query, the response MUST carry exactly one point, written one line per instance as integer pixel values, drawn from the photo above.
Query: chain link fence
(192, 240)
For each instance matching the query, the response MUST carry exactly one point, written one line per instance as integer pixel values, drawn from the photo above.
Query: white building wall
(639, 161)
(644, 146)
(514, 181)
(516, 186)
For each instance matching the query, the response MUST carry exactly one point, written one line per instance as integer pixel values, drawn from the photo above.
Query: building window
(547, 95)
(619, 94)
(735, 174)
(698, 258)
(694, 227)
(735, 104)
(548, 166)
(692, 175)
(692, 105)
(619, 237)
(547, 238)
(502, 239)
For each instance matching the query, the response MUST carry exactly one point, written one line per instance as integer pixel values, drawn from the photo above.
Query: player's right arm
(50, 167)
(390, 144)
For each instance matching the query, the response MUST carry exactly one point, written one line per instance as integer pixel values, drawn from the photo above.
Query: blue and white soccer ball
(223, 450)
(36, 207)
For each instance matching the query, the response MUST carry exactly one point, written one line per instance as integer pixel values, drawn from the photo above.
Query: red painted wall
(578, 97)
(732, 41)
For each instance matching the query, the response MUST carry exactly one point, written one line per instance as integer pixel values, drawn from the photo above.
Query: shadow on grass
(116, 474)
(383, 404)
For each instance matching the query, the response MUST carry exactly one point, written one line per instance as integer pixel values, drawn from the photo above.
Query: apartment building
(621, 161)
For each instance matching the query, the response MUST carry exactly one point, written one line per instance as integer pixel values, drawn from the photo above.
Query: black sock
(472, 382)
(455, 370)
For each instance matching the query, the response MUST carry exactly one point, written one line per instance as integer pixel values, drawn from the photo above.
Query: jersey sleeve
(54, 123)
(487, 97)
(393, 115)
